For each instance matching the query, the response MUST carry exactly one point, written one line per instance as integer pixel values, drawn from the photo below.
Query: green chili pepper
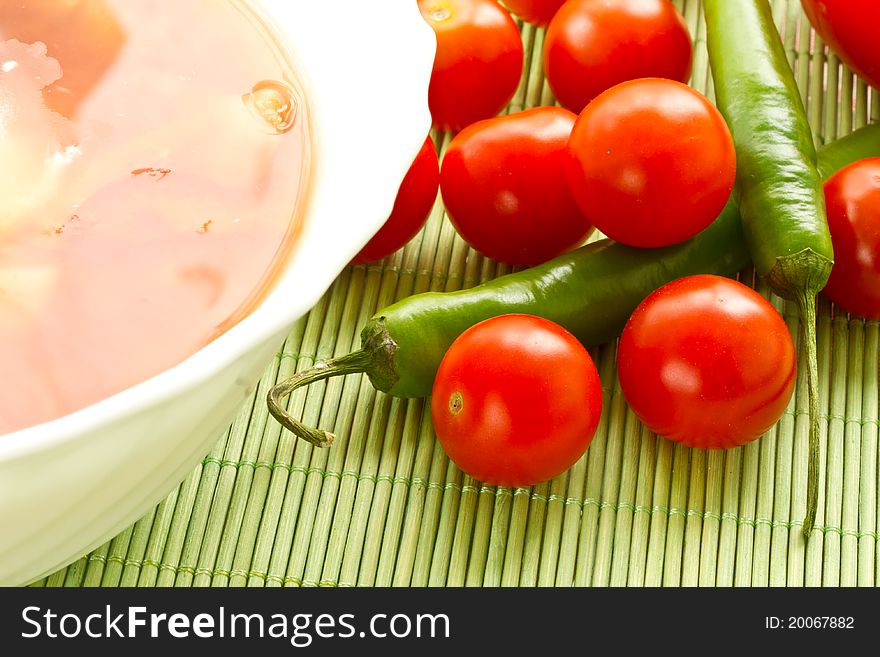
(591, 291)
(858, 145)
(778, 187)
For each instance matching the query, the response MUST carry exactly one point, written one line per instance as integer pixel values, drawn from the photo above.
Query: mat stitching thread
(287, 579)
(503, 491)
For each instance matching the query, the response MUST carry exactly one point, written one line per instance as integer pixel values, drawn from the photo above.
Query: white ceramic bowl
(69, 485)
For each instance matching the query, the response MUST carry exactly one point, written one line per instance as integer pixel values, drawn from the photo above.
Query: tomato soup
(154, 159)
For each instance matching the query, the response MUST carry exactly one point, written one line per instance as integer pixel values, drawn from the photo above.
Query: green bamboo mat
(384, 506)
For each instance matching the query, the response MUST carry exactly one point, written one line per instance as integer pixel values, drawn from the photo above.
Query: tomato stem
(353, 363)
(807, 305)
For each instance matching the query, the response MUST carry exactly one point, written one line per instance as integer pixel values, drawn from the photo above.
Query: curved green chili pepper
(778, 187)
(591, 291)
(858, 145)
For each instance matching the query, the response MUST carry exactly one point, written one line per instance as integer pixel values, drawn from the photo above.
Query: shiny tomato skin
(537, 12)
(652, 162)
(852, 200)
(516, 400)
(592, 45)
(503, 183)
(413, 204)
(479, 60)
(852, 29)
(707, 362)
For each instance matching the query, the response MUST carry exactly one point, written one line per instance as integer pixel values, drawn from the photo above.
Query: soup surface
(153, 160)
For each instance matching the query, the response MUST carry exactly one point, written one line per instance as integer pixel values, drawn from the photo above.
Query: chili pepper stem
(807, 305)
(354, 363)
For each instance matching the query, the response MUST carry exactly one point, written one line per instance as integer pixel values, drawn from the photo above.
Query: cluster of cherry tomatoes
(526, 187)
(638, 154)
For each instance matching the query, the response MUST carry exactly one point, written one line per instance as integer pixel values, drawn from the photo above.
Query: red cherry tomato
(479, 60)
(591, 45)
(516, 400)
(852, 29)
(537, 12)
(852, 198)
(413, 204)
(707, 362)
(503, 184)
(652, 162)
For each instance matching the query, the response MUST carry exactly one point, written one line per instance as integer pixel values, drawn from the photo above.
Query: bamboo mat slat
(385, 507)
